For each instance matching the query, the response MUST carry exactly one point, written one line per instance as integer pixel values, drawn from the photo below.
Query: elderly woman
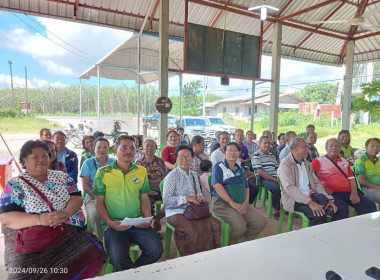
(55, 164)
(87, 173)
(281, 141)
(167, 153)
(230, 197)
(44, 199)
(88, 147)
(191, 236)
(157, 171)
(312, 152)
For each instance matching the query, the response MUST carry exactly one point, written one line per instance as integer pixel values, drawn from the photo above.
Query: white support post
(348, 85)
(253, 104)
(275, 85)
(138, 85)
(98, 109)
(163, 64)
(80, 100)
(180, 99)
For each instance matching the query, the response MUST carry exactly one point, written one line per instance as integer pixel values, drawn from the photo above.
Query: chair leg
(305, 222)
(270, 205)
(89, 227)
(257, 197)
(157, 208)
(134, 253)
(289, 226)
(281, 220)
(168, 239)
(225, 234)
(263, 196)
(108, 266)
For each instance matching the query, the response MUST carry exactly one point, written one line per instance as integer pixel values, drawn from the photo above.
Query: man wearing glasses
(121, 190)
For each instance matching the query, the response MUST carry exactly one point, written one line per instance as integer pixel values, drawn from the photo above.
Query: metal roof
(121, 63)
(302, 39)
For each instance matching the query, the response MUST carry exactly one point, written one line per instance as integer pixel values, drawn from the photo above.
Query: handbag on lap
(196, 211)
(37, 238)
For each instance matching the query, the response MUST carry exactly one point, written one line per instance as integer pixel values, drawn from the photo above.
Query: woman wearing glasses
(191, 236)
(230, 197)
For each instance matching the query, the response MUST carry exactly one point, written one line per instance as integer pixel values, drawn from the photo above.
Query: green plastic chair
(264, 193)
(159, 149)
(134, 253)
(289, 226)
(169, 230)
(225, 226)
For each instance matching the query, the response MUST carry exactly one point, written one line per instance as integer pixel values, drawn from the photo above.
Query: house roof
(303, 38)
(239, 98)
(266, 99)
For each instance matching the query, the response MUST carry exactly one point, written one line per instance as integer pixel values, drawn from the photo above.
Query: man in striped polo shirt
(265, 164)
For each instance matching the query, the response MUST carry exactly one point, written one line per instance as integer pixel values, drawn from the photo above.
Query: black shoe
(276, 215)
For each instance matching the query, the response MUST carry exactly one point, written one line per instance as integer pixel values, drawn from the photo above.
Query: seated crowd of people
(130, 177)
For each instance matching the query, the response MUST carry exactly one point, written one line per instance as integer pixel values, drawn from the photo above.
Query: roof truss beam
(300, 12)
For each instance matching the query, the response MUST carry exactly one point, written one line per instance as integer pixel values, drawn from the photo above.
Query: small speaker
(224, 81)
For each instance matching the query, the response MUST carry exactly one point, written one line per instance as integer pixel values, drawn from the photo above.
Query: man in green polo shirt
(367, 168)
(121, 190)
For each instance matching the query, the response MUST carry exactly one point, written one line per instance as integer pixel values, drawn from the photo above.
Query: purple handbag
(196, 211)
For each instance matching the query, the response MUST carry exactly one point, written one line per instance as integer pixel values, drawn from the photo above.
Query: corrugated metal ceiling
(302, 39)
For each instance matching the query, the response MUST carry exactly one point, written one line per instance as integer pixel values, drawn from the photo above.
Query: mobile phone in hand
(373, 272)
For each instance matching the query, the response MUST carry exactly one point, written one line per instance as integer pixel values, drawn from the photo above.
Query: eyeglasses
(126, 148)
(233, 151)
(184, 157)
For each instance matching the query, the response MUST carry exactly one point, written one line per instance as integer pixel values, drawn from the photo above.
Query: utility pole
(26, 92)
(13, 93)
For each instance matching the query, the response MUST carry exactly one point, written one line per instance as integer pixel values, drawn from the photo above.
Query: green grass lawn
(24, 125)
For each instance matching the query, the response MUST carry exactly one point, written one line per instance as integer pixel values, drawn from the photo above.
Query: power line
(52, 40)
(61, 38)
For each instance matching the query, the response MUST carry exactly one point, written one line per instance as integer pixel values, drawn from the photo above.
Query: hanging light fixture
(263, 10)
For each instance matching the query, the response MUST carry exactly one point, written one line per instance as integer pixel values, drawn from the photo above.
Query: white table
(348, 247)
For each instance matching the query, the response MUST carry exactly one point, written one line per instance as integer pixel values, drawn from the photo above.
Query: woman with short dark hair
(230, 197)
(55, 164)
(39, 200)
(88, 144)
(167, 153)
(88, 171)
(182, 187)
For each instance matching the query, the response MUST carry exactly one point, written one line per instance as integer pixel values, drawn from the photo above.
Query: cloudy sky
(57, 52)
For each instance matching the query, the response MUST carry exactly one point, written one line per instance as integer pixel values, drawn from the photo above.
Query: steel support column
(348, 85)
(98, 109)
(253, 103)
(164, 64)
(275, 85)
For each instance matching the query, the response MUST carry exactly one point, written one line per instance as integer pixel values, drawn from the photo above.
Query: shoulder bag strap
(337, 166)
(95, 164)
(39, 192)
(194, 184)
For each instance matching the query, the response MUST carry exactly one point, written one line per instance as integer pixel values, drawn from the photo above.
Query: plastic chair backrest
(162, 187)
(209, 182)
(281, 188)
(256, 177)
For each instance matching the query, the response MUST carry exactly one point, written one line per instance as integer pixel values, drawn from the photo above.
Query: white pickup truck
(218, 124)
